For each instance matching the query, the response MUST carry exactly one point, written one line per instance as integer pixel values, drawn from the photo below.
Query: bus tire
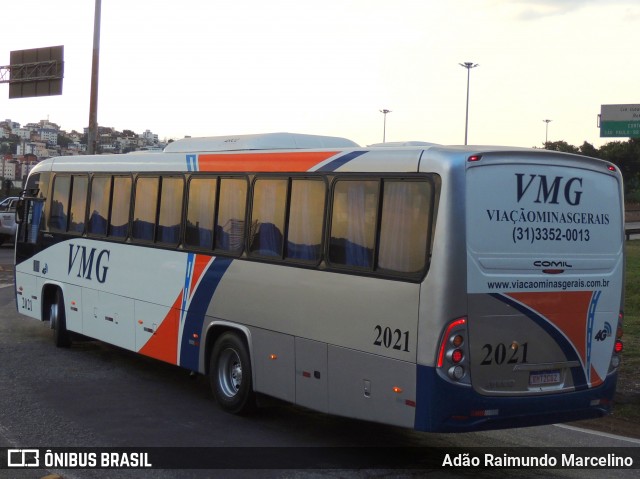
(57, 319)
(230, 374)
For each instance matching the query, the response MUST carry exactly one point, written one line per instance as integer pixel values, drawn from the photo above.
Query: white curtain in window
(404, 227)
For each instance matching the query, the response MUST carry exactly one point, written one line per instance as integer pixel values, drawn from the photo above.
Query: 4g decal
(604, 333)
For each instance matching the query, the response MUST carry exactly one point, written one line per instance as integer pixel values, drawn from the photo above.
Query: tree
(562, 146)
(64, 141)
(587, 149)
(626, 156)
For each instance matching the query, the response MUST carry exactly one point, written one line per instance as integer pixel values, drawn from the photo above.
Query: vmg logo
(88, 263)
(549, 189)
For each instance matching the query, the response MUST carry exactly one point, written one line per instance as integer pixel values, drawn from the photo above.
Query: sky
(211, 67)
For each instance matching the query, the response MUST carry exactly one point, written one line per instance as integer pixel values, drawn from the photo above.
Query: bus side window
(30, 225)
(144, 208)
(60, 203)
(404, 227)
(120, 207)
(201, 207)
(230, 223)
(267, 217)
(99, 205)
(78, 203)
(170, 215)
(353, 223)
(306, 219)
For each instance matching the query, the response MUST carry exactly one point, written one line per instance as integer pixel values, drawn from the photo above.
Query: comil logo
(542, 263)
(23, 458)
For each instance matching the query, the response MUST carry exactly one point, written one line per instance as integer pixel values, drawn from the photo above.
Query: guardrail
(632, 222)
(631, 231)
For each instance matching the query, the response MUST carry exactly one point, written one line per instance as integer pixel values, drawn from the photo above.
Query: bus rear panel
(544, 248)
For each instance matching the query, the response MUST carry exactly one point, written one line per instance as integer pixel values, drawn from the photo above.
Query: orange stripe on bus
(288, 161)
(200, 264)
(163, 344)
(567, 310)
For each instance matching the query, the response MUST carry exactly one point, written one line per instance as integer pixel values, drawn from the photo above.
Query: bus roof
(267, 141)
(293, 152)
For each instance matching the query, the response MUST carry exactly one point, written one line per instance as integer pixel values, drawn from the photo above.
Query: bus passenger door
(29, 214)
(28, 266)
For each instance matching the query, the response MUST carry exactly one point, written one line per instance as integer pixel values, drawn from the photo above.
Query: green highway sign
(619, 121)
(620, 128)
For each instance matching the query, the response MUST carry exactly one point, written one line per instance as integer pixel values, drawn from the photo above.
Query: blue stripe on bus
(189, 354)
(442, 406)
(338, 162)
(570, 353)
(191, 163)
(191, 257)
(592, 317)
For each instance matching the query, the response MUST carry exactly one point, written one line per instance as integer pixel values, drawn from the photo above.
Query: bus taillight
(456, 356)
(447, 335)
(452, 354)
(618, 347)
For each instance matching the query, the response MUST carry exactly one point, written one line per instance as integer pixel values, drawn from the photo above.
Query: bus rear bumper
(445, 407)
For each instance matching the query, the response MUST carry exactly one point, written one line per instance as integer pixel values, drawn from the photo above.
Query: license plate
(544, 377)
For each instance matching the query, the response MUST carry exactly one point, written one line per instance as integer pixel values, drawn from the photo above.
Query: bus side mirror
(19, 210)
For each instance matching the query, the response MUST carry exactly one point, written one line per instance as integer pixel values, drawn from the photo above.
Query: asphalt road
(95, 395)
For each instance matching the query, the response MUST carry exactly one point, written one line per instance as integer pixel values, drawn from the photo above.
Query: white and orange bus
(432, 287)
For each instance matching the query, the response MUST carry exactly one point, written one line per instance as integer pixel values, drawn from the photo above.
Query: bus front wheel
(230, 374)
(57, 320)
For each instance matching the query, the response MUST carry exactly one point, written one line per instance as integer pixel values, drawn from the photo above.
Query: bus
(439, 288)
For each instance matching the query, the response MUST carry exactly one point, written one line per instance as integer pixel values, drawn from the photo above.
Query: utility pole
(92, 136)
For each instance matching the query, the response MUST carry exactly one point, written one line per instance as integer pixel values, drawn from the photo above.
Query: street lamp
(468, 66)
(546, 133)
(384, 127)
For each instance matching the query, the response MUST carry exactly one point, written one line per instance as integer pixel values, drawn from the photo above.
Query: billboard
(620, 121)
(36, 72)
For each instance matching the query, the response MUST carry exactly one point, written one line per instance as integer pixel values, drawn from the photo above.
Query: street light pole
(468, 66)
(384, 127)
(546, 133)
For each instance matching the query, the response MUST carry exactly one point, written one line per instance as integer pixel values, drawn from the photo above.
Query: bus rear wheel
(57, 320)
(230, 374)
